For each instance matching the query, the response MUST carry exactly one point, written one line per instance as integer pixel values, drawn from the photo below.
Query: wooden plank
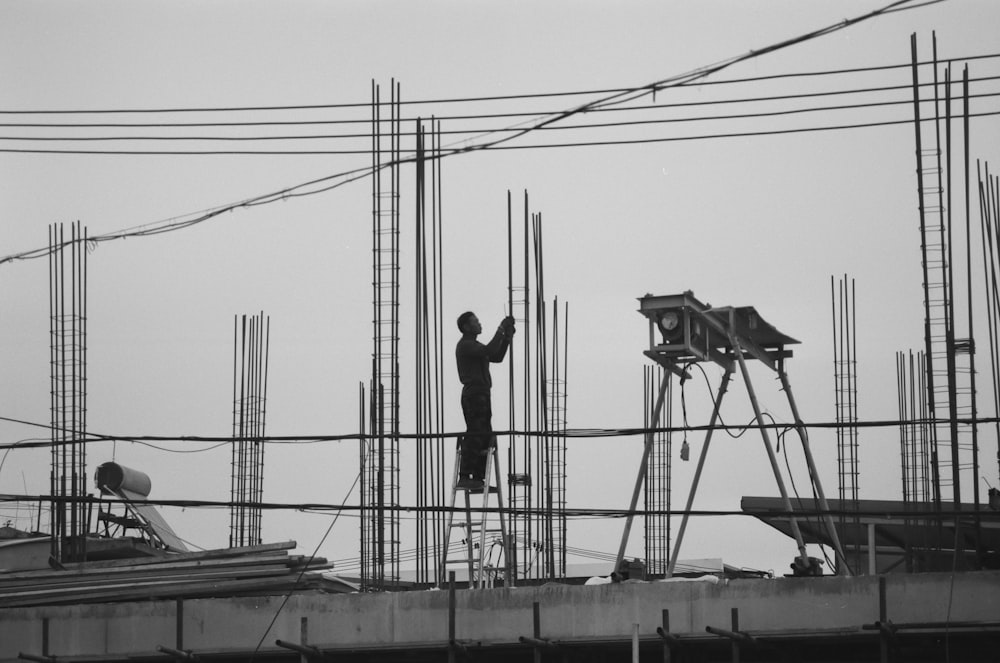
(128, 583)
(203, 554)
(146, 577)
(164, 565)
(162, 591)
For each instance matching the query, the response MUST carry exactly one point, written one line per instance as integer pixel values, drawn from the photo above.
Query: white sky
(759, 220)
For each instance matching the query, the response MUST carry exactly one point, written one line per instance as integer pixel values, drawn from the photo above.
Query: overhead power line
(493, 98)
(617, 99)
(907, 102)
(531, 146)
(568, 434)
(325, 121)
(577, 512)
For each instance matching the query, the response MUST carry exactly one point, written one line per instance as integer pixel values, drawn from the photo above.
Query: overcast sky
(741, 211)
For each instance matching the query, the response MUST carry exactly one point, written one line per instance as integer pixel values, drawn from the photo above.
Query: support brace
(669, 638)
(723, 386)
(177, 654)
(739, 636)
(37, 658)
(306, 650)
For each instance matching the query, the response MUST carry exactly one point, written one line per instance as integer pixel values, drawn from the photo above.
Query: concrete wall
(498, 616)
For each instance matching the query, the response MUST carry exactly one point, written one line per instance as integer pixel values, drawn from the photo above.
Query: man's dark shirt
(474, 359)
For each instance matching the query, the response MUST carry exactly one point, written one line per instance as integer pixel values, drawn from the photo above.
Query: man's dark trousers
(474, 446)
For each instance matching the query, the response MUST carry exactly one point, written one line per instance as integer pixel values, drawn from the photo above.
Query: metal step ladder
(481, 527)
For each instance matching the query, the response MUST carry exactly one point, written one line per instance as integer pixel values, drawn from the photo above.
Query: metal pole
(451, 615)
(701, 464)
(536, 629)
(923, 251)
(758, 415)
(972, 335)
(510, 545)
(420, 338)
(813, 474)
(438, 256)
(526, 446)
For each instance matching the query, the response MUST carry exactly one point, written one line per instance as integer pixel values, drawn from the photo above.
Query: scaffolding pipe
(813, 473)
(758, 416)
(701, 464)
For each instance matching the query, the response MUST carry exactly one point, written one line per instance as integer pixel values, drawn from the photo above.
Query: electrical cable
(576, 512)
(617, 99)
(8, 448)
(791, 478)
(569, 433)
(534, 146)
(368, 136)
(448, 100)
(303, 571)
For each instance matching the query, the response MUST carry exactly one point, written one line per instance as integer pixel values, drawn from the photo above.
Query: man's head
(468, 323)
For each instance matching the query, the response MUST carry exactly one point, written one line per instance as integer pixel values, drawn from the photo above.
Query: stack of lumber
(247, 571)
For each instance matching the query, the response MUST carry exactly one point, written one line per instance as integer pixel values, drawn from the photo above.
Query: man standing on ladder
(474, 372)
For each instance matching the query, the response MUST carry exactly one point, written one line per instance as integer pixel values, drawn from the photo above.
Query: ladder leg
(505, 542)
(450, 521)
(476, 531)
(470, 543)
(484, 516)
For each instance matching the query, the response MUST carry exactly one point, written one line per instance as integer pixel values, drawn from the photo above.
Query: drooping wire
(305, 567)
(448, 100)
(484, 116)
(616, 99)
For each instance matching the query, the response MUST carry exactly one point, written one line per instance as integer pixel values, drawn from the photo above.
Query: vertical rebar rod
(233, 497)
(514, 487)
(904, 447)
(240, 474)
(974, 413)
(845, 377)
(552, 452)
(74, 523)
(990, 285)
(657, 491)
(640, 478)
(368, 460)
(924, 249)
(648, 487)
(541, 403)
(83, 507)
(385, 356)
(69, 521)
(563, 521)
(443, 480)
(527, 464)
(949, 280)
(421, 353)
(53, 395)
(63, 447)
(83, 381)
(394, 478)
(259, 464)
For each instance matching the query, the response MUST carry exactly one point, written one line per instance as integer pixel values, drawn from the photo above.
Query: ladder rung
(478, 490)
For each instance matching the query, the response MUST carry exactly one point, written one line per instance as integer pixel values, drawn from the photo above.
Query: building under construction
(483, 573)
